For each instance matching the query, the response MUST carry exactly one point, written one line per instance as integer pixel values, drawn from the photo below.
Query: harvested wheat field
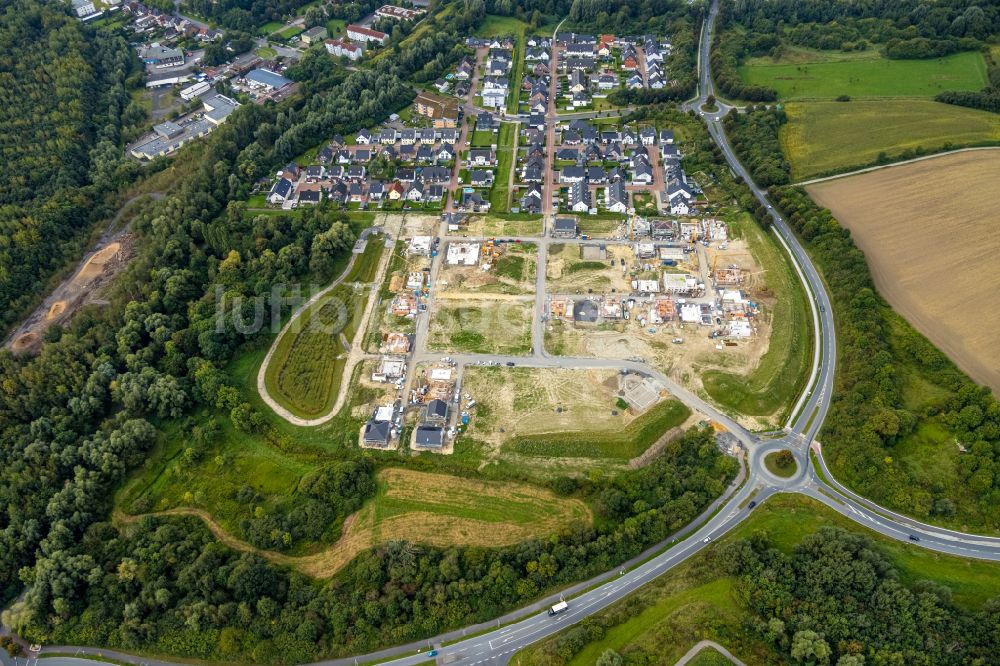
(434, 509)
(931, 232)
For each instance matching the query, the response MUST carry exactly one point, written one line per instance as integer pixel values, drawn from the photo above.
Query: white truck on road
(558, 608)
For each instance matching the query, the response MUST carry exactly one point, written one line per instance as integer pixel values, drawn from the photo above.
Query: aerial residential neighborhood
(481, 333)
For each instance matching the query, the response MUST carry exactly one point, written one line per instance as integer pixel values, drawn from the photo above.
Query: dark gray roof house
(310, 196)
(481, 178)
(429, 437)
(565, 227)
(435, 174)
(534, 170)
(436, 411)
(281, 189)
(596, 174)
(377, 433)
(572, 174)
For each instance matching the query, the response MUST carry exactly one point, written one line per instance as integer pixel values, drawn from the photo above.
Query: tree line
(987, 99)
(904, 30)
(878, 353)
(835, 599)
(754, 135)
(728, 52)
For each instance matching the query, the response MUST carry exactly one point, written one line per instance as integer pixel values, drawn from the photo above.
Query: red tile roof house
(359, 33)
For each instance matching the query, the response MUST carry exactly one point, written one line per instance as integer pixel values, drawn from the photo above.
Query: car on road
(914, 537)
(432, 653)
(752, 504)
(510, 364)
(822, 308)
(706, 539)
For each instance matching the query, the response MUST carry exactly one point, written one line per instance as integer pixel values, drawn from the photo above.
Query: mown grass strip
(629, 442)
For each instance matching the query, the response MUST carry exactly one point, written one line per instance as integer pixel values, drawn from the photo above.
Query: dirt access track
(108, 256)
(931, 233)
(448, 511)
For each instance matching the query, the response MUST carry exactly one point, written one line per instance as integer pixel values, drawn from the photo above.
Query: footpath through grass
(506, 149)
(872, 76)
(307, 367)
(629, 442)
(772, 388)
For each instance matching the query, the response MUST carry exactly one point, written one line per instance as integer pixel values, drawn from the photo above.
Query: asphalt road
(525, 626)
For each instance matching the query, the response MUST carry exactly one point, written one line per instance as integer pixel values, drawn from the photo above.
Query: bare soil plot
(500, 325)
(568, 272)
(96, 269)
(413, 224)
(366, 394)
(487, 226)
(931, 232)
(530, 401)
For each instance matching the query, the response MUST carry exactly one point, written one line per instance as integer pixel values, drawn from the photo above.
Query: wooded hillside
(65, 101)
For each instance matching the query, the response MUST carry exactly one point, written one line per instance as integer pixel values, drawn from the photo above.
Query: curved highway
(528, 625)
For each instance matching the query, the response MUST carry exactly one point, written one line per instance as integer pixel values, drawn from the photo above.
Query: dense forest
(907, 29)
(754, 135)
(166, 586)
(835, 599)
(243, 15)
(65, 113)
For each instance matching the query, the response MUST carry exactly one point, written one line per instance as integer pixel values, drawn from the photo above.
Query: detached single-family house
(564, 227)
(481, 157)
(481, 178)
(281, 191)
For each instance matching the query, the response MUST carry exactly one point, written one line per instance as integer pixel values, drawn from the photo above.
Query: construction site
(531, 401)
(488, 267)
(684, 296)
